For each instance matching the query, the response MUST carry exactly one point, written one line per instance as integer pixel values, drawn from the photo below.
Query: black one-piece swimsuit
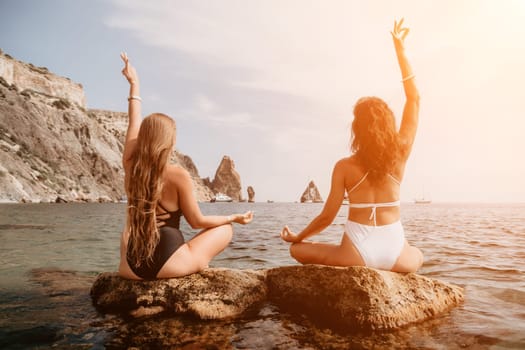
(170, 240)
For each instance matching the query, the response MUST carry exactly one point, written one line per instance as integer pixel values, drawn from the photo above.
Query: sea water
(51, 253)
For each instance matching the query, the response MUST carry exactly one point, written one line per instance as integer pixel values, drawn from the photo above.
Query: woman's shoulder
(176, 172)
(347, 163)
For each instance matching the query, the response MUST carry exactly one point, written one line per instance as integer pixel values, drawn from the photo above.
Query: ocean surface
(51, 253)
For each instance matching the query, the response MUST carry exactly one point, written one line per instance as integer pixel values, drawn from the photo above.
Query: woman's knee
(228, 232)
(223, 232)
(294, 251)
(421, 257)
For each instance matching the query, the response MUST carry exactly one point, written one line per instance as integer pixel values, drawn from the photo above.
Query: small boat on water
(422, 201)
(221, 197)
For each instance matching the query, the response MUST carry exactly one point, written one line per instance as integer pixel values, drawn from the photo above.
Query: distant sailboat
(423, 199)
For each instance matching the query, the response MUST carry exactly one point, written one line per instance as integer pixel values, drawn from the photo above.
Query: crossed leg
(194, 255)
(343, 254)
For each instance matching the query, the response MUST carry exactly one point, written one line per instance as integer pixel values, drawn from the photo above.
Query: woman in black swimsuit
(159, 193)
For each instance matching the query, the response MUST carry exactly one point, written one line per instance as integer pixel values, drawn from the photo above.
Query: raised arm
(191, 210)
(134, 106)
(409, 122)
(329, 212)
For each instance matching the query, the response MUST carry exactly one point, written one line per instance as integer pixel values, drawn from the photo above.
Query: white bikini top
(373, 206)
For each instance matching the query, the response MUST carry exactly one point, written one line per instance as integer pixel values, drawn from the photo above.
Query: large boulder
(351, 298)
(214, 293)
(359, 297)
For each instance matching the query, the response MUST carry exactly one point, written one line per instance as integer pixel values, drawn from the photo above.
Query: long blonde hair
(375, 141)
(144, 184)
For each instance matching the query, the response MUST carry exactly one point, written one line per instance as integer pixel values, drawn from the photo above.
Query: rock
(360, 297)
(311, 194)
(214, 293)
(251, 194)
(352, 298)
(40, 80)
(227, 180)
(60, 200)
(104, 199)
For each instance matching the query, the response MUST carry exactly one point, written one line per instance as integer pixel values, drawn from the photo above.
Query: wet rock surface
(359, 297)
(72, 322)
(352, 298)
(211, 294)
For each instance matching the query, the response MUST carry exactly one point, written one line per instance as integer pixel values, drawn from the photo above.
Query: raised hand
(399, 33)
(129, 71)
(289, 236)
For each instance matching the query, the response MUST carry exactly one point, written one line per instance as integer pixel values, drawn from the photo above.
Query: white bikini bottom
(379, 246)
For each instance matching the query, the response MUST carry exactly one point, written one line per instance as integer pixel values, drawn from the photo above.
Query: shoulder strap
(358, 183)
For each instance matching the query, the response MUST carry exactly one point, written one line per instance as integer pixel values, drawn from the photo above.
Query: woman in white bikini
(371, 177)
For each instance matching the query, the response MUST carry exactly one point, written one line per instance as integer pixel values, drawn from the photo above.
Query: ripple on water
(479, 247)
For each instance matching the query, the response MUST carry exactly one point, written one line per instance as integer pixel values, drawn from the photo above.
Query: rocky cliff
(26, 76)
(227, 180)
(52, 146)
(311, 194)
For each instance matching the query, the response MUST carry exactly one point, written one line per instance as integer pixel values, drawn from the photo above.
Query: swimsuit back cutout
(169, 218)
(373, 206)
(170, 239)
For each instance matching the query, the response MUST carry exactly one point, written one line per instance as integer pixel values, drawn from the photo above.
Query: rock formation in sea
(52, 146)
(251, 194)
(311, 194)
(227, 180)
(348, 298)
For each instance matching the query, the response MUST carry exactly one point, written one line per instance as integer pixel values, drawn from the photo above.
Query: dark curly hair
(375, 141)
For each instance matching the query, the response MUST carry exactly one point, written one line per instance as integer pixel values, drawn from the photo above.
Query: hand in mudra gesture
(243, 219)
(289, 236)
(399, 33)
(129, 71)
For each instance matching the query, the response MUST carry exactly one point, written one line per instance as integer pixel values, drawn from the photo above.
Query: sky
(272, 83)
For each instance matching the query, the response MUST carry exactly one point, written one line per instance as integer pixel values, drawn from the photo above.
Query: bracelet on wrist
(133, 97)
(411, 76)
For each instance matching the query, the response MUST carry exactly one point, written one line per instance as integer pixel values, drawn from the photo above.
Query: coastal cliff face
(52, 147)
(227, 180)
(26, 76)
(311, 194)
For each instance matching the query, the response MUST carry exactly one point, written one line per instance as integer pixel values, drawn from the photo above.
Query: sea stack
(251, 194)
(227, 180)
(311, 194)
